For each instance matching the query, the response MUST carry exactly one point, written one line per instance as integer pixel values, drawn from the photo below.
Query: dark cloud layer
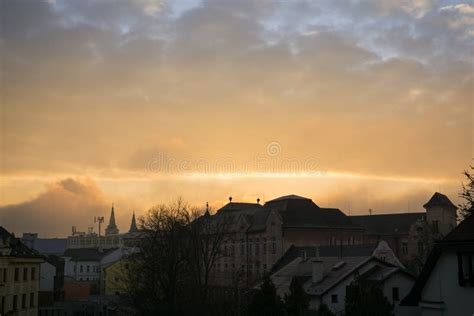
(66, 203)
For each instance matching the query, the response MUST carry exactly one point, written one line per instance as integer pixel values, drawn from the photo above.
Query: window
(466, 269)
(242, 247)
(15, 302)
(257, 248)
(5, 275)
(17, 274)
(435, 227)
(274, 245)
(81, 269)
(264, 250)
(25, 274)
(265, 267)
(334, 298)
(32, 299)
(250, 247)
(421, 248)
(23, 301)
(395, 294)
(350, 240)
(87, 268)
(404, 247)
(33, 273)
(74, 269)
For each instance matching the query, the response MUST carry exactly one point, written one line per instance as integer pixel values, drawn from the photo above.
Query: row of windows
(18, 301)
(230, 250)
(333, 241)
(251, 267)
(26, 275)
(87, 268)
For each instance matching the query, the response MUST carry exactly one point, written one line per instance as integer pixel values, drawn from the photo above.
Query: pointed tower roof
(112, 228)
(133, 225)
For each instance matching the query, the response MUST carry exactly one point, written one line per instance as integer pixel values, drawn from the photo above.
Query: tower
(133, 225)
(441, 213)
(112, 228)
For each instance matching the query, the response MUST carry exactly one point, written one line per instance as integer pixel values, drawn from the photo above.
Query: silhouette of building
(112, 228)
(260, 235)
(406, 232)
(111, 239)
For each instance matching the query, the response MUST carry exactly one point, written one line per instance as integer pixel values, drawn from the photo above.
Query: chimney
(316, 270)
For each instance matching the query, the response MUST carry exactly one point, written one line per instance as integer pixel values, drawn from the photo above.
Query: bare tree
(467, 207)
(171, 270)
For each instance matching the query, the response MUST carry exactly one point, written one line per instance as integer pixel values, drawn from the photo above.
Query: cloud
(65, 203)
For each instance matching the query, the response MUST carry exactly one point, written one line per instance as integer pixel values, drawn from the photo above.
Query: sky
(356, 104)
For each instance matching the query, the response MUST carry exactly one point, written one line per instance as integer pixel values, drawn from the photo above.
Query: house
(326, 275)
(19, 276)
(446, 283)
(83, 264)
(405, 231)
(260, 234)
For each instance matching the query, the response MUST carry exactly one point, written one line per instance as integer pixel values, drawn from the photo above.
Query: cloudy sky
(356, 104)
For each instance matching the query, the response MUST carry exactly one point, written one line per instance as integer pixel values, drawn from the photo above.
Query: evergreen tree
(365, 298)
(324, 311)
(297, 301)
(266, 301)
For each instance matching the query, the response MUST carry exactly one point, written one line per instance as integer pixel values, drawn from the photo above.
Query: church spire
(133, 225)
(112, 228)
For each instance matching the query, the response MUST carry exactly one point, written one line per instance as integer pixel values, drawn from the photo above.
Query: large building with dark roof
(261, 234)
(404, 232)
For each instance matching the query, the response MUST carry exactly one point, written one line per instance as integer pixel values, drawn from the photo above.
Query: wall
(47, 274)
(442, 285)
(11, 287)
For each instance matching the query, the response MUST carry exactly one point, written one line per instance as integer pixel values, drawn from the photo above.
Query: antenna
(370, 211)
(100, 220)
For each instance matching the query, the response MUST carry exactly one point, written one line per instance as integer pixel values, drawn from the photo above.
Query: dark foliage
(467, 207)
(365, 298)
(265, 301)
(297, 301)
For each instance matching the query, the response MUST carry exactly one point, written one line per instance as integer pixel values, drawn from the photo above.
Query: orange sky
(358, 105)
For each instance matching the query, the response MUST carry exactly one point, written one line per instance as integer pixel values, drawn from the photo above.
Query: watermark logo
(273, 149)
(272, 161)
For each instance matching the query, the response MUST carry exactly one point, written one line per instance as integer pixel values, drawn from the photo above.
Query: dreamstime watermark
(271, 162)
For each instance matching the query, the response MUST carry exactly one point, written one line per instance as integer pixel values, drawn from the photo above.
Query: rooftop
(14, 246)
(387, 224)
(439, 199)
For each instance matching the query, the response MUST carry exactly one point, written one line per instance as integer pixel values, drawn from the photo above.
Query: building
(326, 272)
(84, 264)
(446, 283)
(45, 246)
(257, 236)
(51, 281)
(19, 276)
(111, 239)
(115, 275)
(406, 232)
